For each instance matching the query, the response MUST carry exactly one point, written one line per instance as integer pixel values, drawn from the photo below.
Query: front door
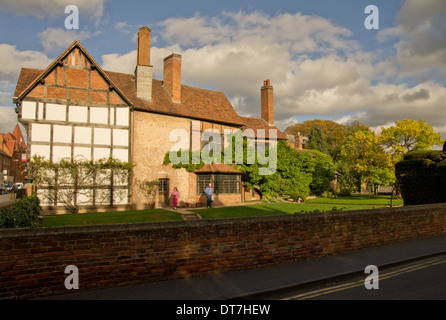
(164, 191)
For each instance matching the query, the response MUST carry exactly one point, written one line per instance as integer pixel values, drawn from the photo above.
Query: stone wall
(32, 261)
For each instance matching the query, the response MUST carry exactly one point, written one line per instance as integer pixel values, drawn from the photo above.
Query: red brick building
(12, 156)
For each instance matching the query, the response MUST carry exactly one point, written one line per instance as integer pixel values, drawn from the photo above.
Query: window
(164, 185)
(203, 181)
(221, 183)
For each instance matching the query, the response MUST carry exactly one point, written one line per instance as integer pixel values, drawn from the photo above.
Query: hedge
(421, 176)
(24, 214)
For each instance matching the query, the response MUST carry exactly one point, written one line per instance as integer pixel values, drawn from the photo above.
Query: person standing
(175, 197)
(208, 193)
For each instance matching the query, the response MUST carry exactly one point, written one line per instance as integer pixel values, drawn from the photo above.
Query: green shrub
(345, 192)
(24, 214)
(421, 177)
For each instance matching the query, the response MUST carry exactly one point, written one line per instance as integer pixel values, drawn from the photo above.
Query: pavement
(259, 283)
(7, 200)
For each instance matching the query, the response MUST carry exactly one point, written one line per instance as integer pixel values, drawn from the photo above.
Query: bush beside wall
(24, 214)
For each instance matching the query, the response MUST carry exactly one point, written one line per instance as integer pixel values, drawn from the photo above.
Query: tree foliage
(369, 162)
(334, 134)
(409, 135)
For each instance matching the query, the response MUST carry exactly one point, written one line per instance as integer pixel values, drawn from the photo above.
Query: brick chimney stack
(299, 141)
(143, 72)
(267, 102)
(172, 76)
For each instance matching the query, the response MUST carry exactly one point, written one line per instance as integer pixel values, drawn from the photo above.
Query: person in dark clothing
(208, 193)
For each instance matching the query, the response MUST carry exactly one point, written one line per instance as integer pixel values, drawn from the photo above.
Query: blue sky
(320, 58)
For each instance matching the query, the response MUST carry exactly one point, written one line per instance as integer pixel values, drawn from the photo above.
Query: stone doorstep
(190, 216)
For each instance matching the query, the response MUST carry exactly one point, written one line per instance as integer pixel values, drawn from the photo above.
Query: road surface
(418, 280)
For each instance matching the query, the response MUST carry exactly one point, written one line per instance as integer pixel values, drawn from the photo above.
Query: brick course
(32, 261)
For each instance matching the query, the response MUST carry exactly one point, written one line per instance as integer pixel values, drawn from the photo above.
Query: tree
(363, 156)
(409, 135)
(335, 134)
(317, 140)
(323, 174)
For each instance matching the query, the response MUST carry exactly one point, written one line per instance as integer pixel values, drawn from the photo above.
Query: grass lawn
(353, 202)
(276, 208)
(151, 215)
(358, 199)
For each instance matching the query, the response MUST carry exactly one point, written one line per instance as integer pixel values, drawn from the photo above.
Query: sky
(318, 54)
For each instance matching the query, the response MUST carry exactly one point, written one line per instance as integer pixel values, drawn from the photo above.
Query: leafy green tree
(323, 174)
(364, 157)
(335, 134)
(317, 140)
(409, 135)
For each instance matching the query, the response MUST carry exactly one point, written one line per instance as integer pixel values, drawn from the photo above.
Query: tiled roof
(196, 103)
(258, 123)
(26, 77)
(3, 153)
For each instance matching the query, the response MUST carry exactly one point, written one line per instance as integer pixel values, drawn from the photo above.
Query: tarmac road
(424, 279)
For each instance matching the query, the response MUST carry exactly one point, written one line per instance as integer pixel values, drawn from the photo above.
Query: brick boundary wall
(32, 261)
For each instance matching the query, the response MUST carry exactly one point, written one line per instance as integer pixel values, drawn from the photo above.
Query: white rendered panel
(56, 112)
(46, 196)
(60, 152)
(120, 196)
(121, 154)
(99, 115)
(78, 114)
(62, 134)
(28, 110)
(40, 111)
(102, 196)
(85, 197)
(122, 116)
(120, 137)
(82, 135)
(40, 132)
(82, 153)
(112, 116)
(101, 153)
(102, 136)
(43, 151)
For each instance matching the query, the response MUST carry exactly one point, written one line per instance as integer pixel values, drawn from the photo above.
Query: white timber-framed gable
(73, 110)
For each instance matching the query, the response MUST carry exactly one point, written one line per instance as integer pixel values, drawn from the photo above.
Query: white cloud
(10, 65)
(123, 27)
(8, 118)
(52, 8)
(57, 39)
(420, 41)
(13, 60)
(314, 65)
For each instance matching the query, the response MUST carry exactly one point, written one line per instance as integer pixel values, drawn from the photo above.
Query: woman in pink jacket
(175, 197)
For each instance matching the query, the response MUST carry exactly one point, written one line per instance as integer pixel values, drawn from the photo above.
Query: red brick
(115, 98)
(56, 93)
(97, 81)
(98, 96)
(76, 77)
(37, 92)
(51, 78)
(80, 95)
